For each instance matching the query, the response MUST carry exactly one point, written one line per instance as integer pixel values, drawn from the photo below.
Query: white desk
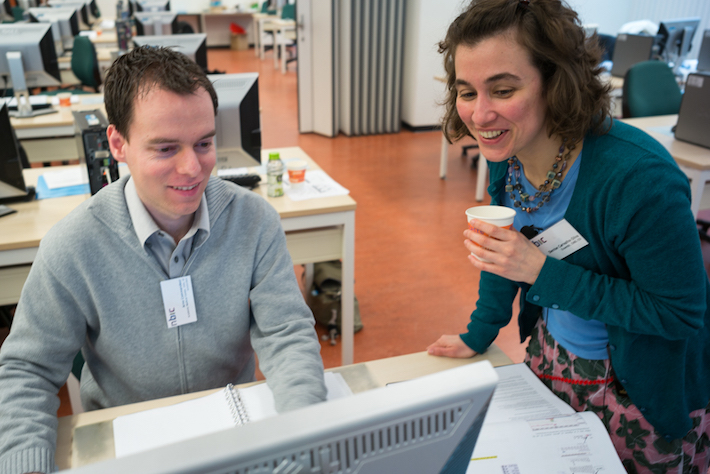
(694, 160)
(317, 230)
(51, 137)
(360, 377)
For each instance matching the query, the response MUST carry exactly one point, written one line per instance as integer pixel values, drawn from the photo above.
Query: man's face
(171, 153)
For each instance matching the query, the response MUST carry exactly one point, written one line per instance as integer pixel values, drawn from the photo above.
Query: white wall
(427, 21)
(426, 25)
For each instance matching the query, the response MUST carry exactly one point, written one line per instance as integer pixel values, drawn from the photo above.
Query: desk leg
(481, 178)
(444, 159)
(697, 185)
(257, 35)
(348, 289)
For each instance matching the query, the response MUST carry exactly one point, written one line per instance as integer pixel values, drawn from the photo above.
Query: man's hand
(450, 346)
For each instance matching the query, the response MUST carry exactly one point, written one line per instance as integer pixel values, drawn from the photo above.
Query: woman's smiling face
(500, 98)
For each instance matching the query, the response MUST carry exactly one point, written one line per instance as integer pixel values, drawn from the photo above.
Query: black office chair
(184, 28)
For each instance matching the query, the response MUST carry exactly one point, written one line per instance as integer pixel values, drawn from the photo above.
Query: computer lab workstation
(401, 428)
(666, 95)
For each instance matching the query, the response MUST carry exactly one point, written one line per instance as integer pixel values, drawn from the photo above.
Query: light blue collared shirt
(160, 244)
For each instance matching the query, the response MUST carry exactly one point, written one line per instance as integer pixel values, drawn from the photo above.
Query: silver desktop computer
(238, 139)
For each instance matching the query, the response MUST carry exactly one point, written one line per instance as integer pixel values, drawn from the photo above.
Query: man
(117, 277)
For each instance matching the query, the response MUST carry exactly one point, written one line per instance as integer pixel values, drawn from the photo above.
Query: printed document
(529, 430)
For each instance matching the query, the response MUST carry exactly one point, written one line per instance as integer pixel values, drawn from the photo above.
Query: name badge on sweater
(560, 240)
(179, 301)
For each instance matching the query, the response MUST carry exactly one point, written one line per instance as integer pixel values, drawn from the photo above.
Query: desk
(51, 137)
(317, 230)
(360, 377)
(694, 160)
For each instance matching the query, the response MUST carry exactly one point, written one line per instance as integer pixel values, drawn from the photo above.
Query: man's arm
(282, 330)
(35, 361)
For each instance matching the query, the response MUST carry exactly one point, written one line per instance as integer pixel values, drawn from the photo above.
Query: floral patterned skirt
(588, 385)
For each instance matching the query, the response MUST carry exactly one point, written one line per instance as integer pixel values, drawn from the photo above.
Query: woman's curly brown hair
(577, 99)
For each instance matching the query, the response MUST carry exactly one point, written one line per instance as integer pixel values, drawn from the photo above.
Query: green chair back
(77, 365)
(650, 88)
(84, 63)
(18, 13)
(288, 12)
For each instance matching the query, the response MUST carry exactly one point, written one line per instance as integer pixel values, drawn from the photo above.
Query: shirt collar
(143, 222)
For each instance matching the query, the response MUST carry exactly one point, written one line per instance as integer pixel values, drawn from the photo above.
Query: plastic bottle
(274, 174)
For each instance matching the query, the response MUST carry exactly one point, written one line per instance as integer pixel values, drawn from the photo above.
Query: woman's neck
(538, 163)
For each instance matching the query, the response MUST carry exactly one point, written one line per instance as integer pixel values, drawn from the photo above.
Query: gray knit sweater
(94, 287)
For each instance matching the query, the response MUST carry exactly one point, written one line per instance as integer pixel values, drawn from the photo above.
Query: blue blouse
(584, 338)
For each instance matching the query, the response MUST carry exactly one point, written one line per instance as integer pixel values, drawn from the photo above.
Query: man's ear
(117, 143)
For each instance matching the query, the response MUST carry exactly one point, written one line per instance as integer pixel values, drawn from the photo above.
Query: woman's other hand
(450, 346)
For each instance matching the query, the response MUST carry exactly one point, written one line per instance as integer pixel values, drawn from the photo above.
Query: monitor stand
(30, 196)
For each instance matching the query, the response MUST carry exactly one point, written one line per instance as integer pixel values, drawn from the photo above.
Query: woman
(620, 326)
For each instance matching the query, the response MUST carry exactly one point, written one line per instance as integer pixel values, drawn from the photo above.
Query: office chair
(18, 13)
(73, 382)
(184, 28)
(288, 12)
(650, 88)
(85, 66)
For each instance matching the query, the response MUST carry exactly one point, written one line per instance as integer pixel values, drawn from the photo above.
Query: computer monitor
(152, 5)
(81, 7)
(704, 54)
(28, 60)
(155, 23)
(193, 45)
(12, 183)
(427, 425)
(629, 50)
(675, 39)
(238, 121)
(66, 19)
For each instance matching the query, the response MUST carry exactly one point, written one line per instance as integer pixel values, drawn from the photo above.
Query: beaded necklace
(553, 181)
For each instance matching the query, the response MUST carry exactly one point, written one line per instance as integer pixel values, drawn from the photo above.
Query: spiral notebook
(219, 411)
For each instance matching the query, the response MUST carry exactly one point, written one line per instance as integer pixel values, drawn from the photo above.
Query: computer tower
(92, 143)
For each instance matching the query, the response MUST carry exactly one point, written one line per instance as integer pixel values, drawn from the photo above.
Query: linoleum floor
(412, 278)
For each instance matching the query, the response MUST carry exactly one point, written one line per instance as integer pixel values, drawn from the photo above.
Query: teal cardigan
(642, 274)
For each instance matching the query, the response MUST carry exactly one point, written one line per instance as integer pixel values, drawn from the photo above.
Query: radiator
(369, 54)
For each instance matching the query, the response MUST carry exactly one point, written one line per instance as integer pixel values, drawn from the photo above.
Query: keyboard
(245, 180)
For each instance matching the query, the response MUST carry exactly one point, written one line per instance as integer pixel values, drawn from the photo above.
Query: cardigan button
(555, 306)
(668, 438)
(612, 347)
(642, 409)
(536, 298)
(623, 382)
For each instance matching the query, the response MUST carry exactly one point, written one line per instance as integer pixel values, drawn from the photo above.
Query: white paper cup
(500, 216)
(64, 99)
(296, 172)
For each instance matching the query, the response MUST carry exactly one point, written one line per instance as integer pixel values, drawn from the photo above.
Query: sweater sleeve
(282, 330)
(493, 311)
(644, 234)
(35, 361)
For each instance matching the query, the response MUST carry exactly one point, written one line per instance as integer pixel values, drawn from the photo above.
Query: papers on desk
(529, 430)
(66, 182)
(151, 429)
(317, 185)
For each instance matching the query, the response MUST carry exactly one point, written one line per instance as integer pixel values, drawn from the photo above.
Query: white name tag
(179, 301)
(560, 240)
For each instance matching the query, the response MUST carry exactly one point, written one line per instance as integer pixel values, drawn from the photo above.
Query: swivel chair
(85, 66)
(650, 88)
